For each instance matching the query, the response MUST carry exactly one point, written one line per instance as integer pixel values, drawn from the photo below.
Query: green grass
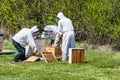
(98, 66)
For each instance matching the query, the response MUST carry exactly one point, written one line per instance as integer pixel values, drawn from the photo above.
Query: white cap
(34, 29)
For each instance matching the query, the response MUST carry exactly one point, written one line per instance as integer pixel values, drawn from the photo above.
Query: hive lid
(7, 52)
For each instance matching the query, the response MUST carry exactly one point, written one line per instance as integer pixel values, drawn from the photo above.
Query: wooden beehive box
(76, 55)
(49, 57)
(55, 50)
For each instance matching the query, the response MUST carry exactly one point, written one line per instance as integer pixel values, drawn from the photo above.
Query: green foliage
(97, 20)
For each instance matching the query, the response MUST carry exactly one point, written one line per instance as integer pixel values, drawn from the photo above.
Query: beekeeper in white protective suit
(23, 38)
(50, 32)
(65, 28)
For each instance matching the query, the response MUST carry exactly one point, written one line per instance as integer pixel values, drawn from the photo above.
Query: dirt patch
(95, 47)
(103, 47)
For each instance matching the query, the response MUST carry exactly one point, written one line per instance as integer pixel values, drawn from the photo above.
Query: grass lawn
(99, 66)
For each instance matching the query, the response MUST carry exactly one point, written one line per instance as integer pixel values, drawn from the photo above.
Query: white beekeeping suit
(65, 28)
(49, 31)
(23, 38)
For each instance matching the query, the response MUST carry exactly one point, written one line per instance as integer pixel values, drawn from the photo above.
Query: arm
(58, 34)
(31, 43)
(57, 38)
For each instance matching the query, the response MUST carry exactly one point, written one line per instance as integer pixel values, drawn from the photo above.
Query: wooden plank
(82, 56)
(32, 59)
(73, 56)
(7, 52)
(78, 56)
(49, 57)
(74, 59)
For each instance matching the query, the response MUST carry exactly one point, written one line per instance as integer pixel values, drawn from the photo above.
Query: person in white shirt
(23, 38)
(66, 30)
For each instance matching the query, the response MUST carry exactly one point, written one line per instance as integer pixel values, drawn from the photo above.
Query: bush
(97, 21)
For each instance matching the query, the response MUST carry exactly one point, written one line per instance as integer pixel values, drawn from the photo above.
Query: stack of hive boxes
(46, 50)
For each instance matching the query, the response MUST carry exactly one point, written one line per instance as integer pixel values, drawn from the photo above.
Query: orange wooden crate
(55, 50)
(76, 55)
(49, 57)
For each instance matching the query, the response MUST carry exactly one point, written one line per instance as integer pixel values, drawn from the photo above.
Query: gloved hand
(36, 53)
(55, 44)
(56, 41)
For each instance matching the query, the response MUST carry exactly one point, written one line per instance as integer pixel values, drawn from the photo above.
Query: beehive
(76, 55)
(49, 57)
(55, 50)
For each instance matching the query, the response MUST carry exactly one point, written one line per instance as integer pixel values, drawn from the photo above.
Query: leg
(21, 51)
(65, 46)
(72, 40)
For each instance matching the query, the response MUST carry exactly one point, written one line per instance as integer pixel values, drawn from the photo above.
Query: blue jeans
(21, 51)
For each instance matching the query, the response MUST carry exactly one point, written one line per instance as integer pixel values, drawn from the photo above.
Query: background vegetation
(95, 21)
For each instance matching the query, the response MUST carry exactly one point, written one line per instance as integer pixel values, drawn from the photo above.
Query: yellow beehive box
(49, 57)
(55, 50)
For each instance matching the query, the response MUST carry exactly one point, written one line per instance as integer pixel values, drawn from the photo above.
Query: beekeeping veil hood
(60, 15)
(35, 31)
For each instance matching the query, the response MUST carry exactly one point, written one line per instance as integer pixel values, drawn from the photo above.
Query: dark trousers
(21, 51)
(52, 42)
